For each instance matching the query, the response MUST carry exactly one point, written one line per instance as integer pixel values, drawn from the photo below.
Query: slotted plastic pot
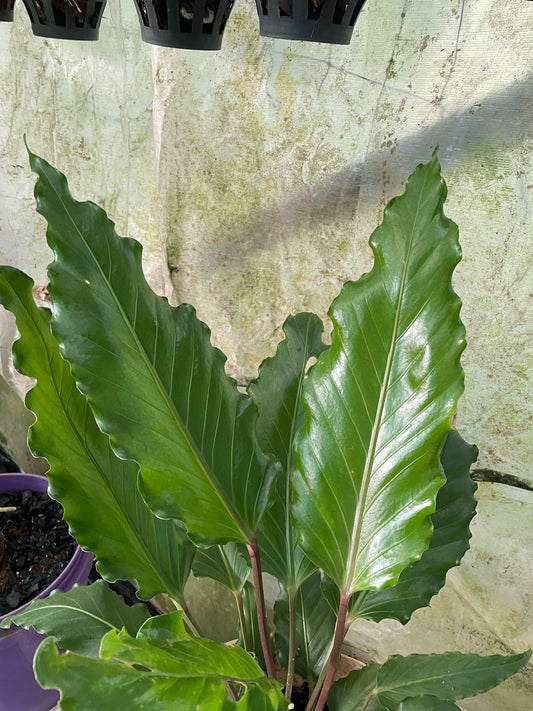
(66, 19)
(185, 24)
(6, 10)
(18, 689)
(330, 21)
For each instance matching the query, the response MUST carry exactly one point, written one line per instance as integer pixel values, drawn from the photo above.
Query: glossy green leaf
(155, 382)
(315, 626)
(448, 677)
(277, 393)
(97, 490)
(229, 565)
(277, 389)
(421, 580)
(78, 619)
(426, 703)
(162, 669)
(380, 399)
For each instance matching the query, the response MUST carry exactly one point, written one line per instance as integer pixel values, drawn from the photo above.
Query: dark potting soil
(35, 546)
(300, 695)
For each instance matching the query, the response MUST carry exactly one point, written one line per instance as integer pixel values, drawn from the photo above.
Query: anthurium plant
(343, 480)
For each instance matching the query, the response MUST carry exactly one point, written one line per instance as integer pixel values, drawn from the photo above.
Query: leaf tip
(31, 155)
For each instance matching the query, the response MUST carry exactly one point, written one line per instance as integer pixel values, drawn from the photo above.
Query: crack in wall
(456, 52)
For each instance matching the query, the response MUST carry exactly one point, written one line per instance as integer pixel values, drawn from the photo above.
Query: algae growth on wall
(254, 176)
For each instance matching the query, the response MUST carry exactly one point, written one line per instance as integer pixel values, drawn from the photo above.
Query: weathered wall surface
(290, 144)
(254, 176)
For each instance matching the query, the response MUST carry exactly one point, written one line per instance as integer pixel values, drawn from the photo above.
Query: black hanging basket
(186, 24)
(330, 21)
(6, 10)
(66, 19)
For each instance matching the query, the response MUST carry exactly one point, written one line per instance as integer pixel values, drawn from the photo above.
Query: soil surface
(300, 693)
(35, 546)
(300, 696)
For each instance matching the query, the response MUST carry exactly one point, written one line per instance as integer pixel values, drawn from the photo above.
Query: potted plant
(330, 21)
(20, 691)
(66, 19)
(343, 480)
(186, 24)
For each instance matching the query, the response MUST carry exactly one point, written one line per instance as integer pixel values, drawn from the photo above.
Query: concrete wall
(254, 176)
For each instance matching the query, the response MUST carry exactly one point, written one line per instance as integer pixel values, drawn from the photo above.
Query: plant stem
(255, 559)
(242, 620)
(231, 693)
(180, 604)
(292, 644)
(320, 681)
(316, 690)
(340, 629)
(190, 624)
(7, 509)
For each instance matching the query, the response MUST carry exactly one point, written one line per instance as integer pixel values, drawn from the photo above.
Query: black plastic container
(186, 24)
(6, 10)
(66, 19)
(330, 21)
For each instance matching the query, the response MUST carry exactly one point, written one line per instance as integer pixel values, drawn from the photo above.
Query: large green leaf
(98, 491)
(449, 677)
(380, 399)
(78, 619)
(451, 533)
(162, 669)
(277, 393)
(155, 382)
(229, 565)
(315, 626)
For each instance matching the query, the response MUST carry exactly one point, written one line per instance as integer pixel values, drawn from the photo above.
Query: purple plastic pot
(19, 690)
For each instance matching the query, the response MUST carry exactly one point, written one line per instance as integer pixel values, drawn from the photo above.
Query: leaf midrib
(170, 405)
(365, 482)
(290, 541)
(437, 677)
(77, 610)
(75, 430)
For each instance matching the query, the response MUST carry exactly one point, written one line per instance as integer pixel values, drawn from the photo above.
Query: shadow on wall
(496, 118)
